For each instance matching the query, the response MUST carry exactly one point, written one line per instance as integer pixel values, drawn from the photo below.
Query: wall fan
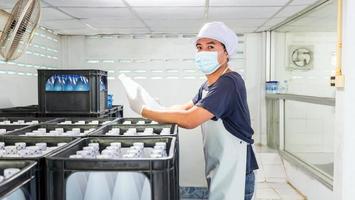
(18, 28)
(300, 57)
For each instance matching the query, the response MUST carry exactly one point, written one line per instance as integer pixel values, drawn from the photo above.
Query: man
(220, 107)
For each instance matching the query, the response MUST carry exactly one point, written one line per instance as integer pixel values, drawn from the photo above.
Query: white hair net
(220, 32)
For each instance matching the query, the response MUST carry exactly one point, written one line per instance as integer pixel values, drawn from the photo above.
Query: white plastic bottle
(128, 186)
(98, 187)
(76, 186)
(146, 191)
(17, 195)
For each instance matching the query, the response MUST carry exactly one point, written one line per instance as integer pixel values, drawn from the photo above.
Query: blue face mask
(207, 61)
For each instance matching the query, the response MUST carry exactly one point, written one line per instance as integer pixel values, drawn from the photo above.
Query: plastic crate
(77, 102)
(25, 181)
(27, 120)
(135, 120)
(50, 127)
(157, 129)
(40, 168)
(160, 172)
(20, 111)
(88, 121)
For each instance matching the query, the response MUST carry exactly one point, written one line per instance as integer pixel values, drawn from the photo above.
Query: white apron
(225, 160)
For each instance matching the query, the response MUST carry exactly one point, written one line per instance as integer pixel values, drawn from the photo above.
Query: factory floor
(271, 178)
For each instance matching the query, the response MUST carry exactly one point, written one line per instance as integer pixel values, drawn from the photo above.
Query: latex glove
(137, 102)
(138, 97)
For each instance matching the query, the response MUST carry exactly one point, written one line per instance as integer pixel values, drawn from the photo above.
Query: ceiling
(320, 19)
(89, 17)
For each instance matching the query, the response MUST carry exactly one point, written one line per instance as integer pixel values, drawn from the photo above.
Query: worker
(221, 108)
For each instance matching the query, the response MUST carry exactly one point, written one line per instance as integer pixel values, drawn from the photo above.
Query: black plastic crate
(160, 172)
(20, 111)
(40, 168)
(52, 127)
(157, 130)
(83, 121)
(108, 113)
(91, 99)
(23, 183)
(26, 120)
(15, 127)
(135, 120)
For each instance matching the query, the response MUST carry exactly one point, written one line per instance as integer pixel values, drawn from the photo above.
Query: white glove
(138, 97)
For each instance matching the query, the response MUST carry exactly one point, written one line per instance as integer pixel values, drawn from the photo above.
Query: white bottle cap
(42, 146)
(10, 172)
(20, 145)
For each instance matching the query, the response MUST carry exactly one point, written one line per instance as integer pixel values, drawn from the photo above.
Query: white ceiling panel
(114, 23)
(171, 13)
(158, 3)
(242, 12)
(64, 24)
(88, 31)
(274, 21)
(290, 10)
(86, 13)
(191, 26)
(248, 2)
(85, 3)
(170, 16)
(303, 2)
(235, 24)
(50, 14)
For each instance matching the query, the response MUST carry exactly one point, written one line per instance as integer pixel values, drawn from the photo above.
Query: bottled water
(50, 84)
(165, 131)
(102, 85)
(76, 186)
(17, 195)
(128, 186)
(98, 187)
(69, 84)
(58, 83)
(146, 191)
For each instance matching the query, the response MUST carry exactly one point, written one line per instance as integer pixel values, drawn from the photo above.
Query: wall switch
(332, 81)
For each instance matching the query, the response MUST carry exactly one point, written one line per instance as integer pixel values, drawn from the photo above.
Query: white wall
(345, 112)
(309, 128)
(314, 82)
(19, 78)
(164, 66)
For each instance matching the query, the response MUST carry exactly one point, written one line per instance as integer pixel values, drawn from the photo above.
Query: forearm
(177, 107)
(185, 106)
(179, 117)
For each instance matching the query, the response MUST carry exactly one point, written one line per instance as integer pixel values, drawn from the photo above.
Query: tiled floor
(271, 179)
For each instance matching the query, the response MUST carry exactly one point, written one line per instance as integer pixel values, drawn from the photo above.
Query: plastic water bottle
(76, 186)
(109, 100)
(17, 195)
(69, 86)
(102, 85)
(82, 84)
(98, 187)
(284, 87)
(86, 84)
(58, 84)
(50, 84)
(146, 191)
(127, 186)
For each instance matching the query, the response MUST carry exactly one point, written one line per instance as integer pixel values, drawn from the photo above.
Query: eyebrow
(207, 43)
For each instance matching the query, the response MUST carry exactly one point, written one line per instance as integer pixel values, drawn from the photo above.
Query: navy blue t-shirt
(226, 99)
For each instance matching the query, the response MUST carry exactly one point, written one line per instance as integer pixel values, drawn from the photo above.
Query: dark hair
(224, 47)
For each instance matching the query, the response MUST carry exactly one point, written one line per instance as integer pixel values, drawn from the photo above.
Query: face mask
(207, 61)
